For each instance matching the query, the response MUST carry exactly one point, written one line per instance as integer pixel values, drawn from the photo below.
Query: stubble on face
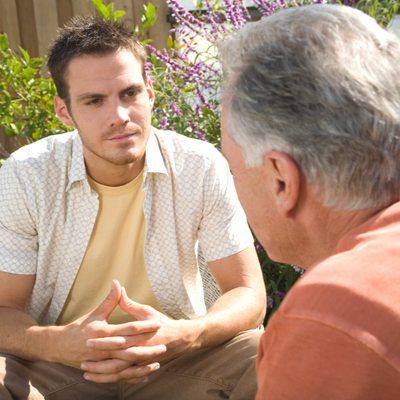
(124, 158)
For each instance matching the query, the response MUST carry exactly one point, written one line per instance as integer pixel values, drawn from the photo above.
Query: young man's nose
(118, 115)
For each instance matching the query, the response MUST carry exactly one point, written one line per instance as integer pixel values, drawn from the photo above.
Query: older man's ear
(284, 178)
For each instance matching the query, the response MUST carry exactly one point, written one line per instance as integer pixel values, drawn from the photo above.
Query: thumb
(139, 311)
(104, 310)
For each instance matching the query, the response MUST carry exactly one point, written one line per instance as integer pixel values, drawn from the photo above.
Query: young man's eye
(93, 102)
(131, 93)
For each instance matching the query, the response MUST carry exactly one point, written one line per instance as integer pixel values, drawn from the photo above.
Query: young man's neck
(114, 175)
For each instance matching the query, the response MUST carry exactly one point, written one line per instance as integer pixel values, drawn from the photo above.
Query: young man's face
(110, 105)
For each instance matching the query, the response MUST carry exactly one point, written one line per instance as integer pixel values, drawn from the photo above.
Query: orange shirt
(337, 333)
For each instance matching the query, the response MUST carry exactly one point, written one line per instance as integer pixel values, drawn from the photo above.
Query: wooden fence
(32, 25)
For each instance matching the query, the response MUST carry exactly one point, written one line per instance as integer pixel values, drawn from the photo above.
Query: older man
(311, 128)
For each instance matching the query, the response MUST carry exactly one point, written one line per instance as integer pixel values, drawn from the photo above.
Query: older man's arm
(241, 307)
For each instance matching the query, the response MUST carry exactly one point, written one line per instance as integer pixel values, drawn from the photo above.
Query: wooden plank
(125, 5)
(83, 7)
(5, 149)
(9, 23)
(159, 32)
(27, 27)
(137, 7)
(9, 145)
(46, 18)
(65, 11)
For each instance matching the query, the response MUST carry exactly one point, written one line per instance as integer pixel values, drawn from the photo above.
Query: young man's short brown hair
(89, 36)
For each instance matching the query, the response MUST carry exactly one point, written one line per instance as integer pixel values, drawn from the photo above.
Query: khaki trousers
(223, 372)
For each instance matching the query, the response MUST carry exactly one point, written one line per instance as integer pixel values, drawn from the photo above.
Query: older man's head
(311, 123)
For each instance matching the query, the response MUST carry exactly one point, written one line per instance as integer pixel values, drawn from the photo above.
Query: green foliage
(279, 279)
(382, 10)
(108, 11)
(26, 98)
(149, 16)
(166, 82)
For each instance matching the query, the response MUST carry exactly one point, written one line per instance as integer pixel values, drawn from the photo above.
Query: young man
(311, 128)
(119, 203)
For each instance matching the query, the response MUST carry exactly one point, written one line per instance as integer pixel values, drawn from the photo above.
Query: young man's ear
(62, 111)
(284, 176)
(150, 91)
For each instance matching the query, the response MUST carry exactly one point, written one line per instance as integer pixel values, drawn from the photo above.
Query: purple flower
(259, 247)
(176, 110)
(298, 269)
(203, 99)
(197, 132)
(270, 302)
(198, 111)
(280, 293)
(163, 123)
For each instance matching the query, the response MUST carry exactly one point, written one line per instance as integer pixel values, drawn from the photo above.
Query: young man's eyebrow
(89, 95)
(134, 86)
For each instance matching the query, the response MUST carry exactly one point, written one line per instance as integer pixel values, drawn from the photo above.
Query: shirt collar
(77, 170)
(154, 162)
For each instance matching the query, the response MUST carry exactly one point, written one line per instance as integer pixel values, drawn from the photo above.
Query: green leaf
(146, 41)
(36, 135)
(11, 130)
(19, 126)
(150, 11)
(104, 11)
(97, 3)
(110, 11)
(118, 14)
(26, 55)
(2, 161)
(7, 94)
(3, 42)
(17, 67)
(28, 73)
(7, 120)
(170, 42)
(36, 62)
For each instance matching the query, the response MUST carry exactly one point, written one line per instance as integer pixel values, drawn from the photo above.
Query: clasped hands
(127, 352)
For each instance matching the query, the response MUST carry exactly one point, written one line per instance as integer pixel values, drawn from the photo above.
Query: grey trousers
(223, 372)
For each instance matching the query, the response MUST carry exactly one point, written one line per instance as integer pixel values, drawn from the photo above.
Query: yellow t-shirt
(115, 251)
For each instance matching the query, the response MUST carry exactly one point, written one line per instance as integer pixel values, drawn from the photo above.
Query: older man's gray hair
(322, 84)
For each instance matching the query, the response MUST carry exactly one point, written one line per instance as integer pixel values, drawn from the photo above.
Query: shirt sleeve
(223, 229)
(18, 236)
(306, 360)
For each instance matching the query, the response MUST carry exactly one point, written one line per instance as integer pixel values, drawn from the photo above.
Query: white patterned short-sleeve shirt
(48, 210)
